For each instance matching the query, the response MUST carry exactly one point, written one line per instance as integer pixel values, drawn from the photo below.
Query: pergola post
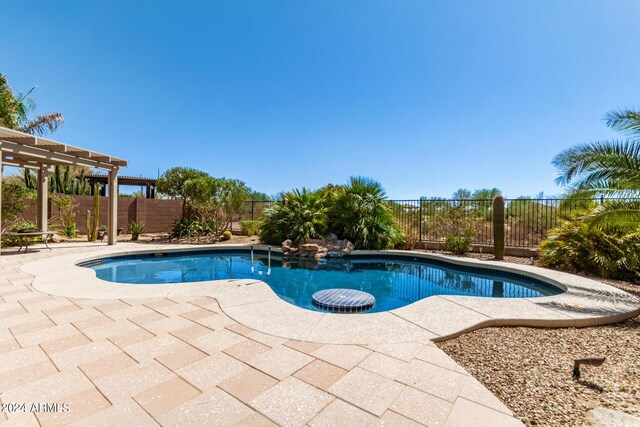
(1, 167)
(113, 206)
(43, 199)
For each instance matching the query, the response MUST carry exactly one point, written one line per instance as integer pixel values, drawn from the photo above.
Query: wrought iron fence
(527, 220)
(253, 209)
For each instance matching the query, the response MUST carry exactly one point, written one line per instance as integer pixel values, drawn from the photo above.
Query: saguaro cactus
(96, 210)
(498, 227)
(88, 223)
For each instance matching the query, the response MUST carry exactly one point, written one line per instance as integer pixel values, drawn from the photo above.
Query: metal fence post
(421, 219)
(252, 203)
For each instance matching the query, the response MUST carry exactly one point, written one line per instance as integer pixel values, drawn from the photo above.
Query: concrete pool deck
(236, 354)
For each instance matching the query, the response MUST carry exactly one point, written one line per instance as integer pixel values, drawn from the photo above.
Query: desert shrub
(406, 244)
(16, 199)
(359, 212)
(250, 228)
(299, 216)
(457, 221)
(21, 226)
(188, 227)
(610, 253)
(226, 235)
(66, 215)
(458, 244)
(194, 227)
(25, 227)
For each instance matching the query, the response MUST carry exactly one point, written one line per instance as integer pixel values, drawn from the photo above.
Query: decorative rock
(317, 248)
(603, 417)
(331, 238)
(308, 247)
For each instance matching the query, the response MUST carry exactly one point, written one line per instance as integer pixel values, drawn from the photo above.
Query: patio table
(24, 238)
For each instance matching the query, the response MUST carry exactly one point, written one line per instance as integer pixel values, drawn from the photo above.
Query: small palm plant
(300, 215)
(361, 214)
(607, 168)
(136, 229)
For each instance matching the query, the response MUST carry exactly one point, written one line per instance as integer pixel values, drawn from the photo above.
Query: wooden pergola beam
(48, 156)
(32, 152)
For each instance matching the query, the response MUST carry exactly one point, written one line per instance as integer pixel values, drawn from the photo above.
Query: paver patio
(182, 361)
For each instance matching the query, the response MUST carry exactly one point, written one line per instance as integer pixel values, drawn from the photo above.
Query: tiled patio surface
(182, 361)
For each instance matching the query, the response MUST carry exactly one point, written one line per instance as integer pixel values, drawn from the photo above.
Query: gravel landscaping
(529, 369)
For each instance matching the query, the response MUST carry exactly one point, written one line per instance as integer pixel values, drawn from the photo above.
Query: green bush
(25, 227)
(300, 215)
(359, 212)
(226, 235)
(16, 199)
(66, 216)
(21, 226)
(458, 244)
(70, 230)
(574, 246)
(250, 228)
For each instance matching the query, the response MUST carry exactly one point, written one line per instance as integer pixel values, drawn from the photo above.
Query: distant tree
(486, 193)
(258, 196)
(484, 201)
(215, 201)
(461, 194)
(172, 184)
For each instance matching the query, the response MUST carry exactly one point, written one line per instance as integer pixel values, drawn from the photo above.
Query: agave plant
(607, 168)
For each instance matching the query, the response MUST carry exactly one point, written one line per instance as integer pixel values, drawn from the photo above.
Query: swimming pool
(394, 281)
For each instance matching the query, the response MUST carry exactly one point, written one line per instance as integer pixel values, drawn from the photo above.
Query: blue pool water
(393, 281)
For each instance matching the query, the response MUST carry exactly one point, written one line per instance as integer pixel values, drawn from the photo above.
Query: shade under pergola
(33, 152)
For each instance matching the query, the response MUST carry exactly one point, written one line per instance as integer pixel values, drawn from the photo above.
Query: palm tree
(607, 168)
(15, 108)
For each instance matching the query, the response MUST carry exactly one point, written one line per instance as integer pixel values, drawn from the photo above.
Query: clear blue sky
(425, 96)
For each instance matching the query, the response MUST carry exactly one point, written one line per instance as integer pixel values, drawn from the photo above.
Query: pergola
(149, 183)
(33, 152)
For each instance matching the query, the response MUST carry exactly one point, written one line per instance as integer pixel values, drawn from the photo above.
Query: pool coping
(252, 303)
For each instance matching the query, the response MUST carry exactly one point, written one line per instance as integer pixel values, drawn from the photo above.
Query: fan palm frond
(42, 125)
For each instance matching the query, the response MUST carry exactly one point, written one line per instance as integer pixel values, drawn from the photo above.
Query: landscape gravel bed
(529, 369)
